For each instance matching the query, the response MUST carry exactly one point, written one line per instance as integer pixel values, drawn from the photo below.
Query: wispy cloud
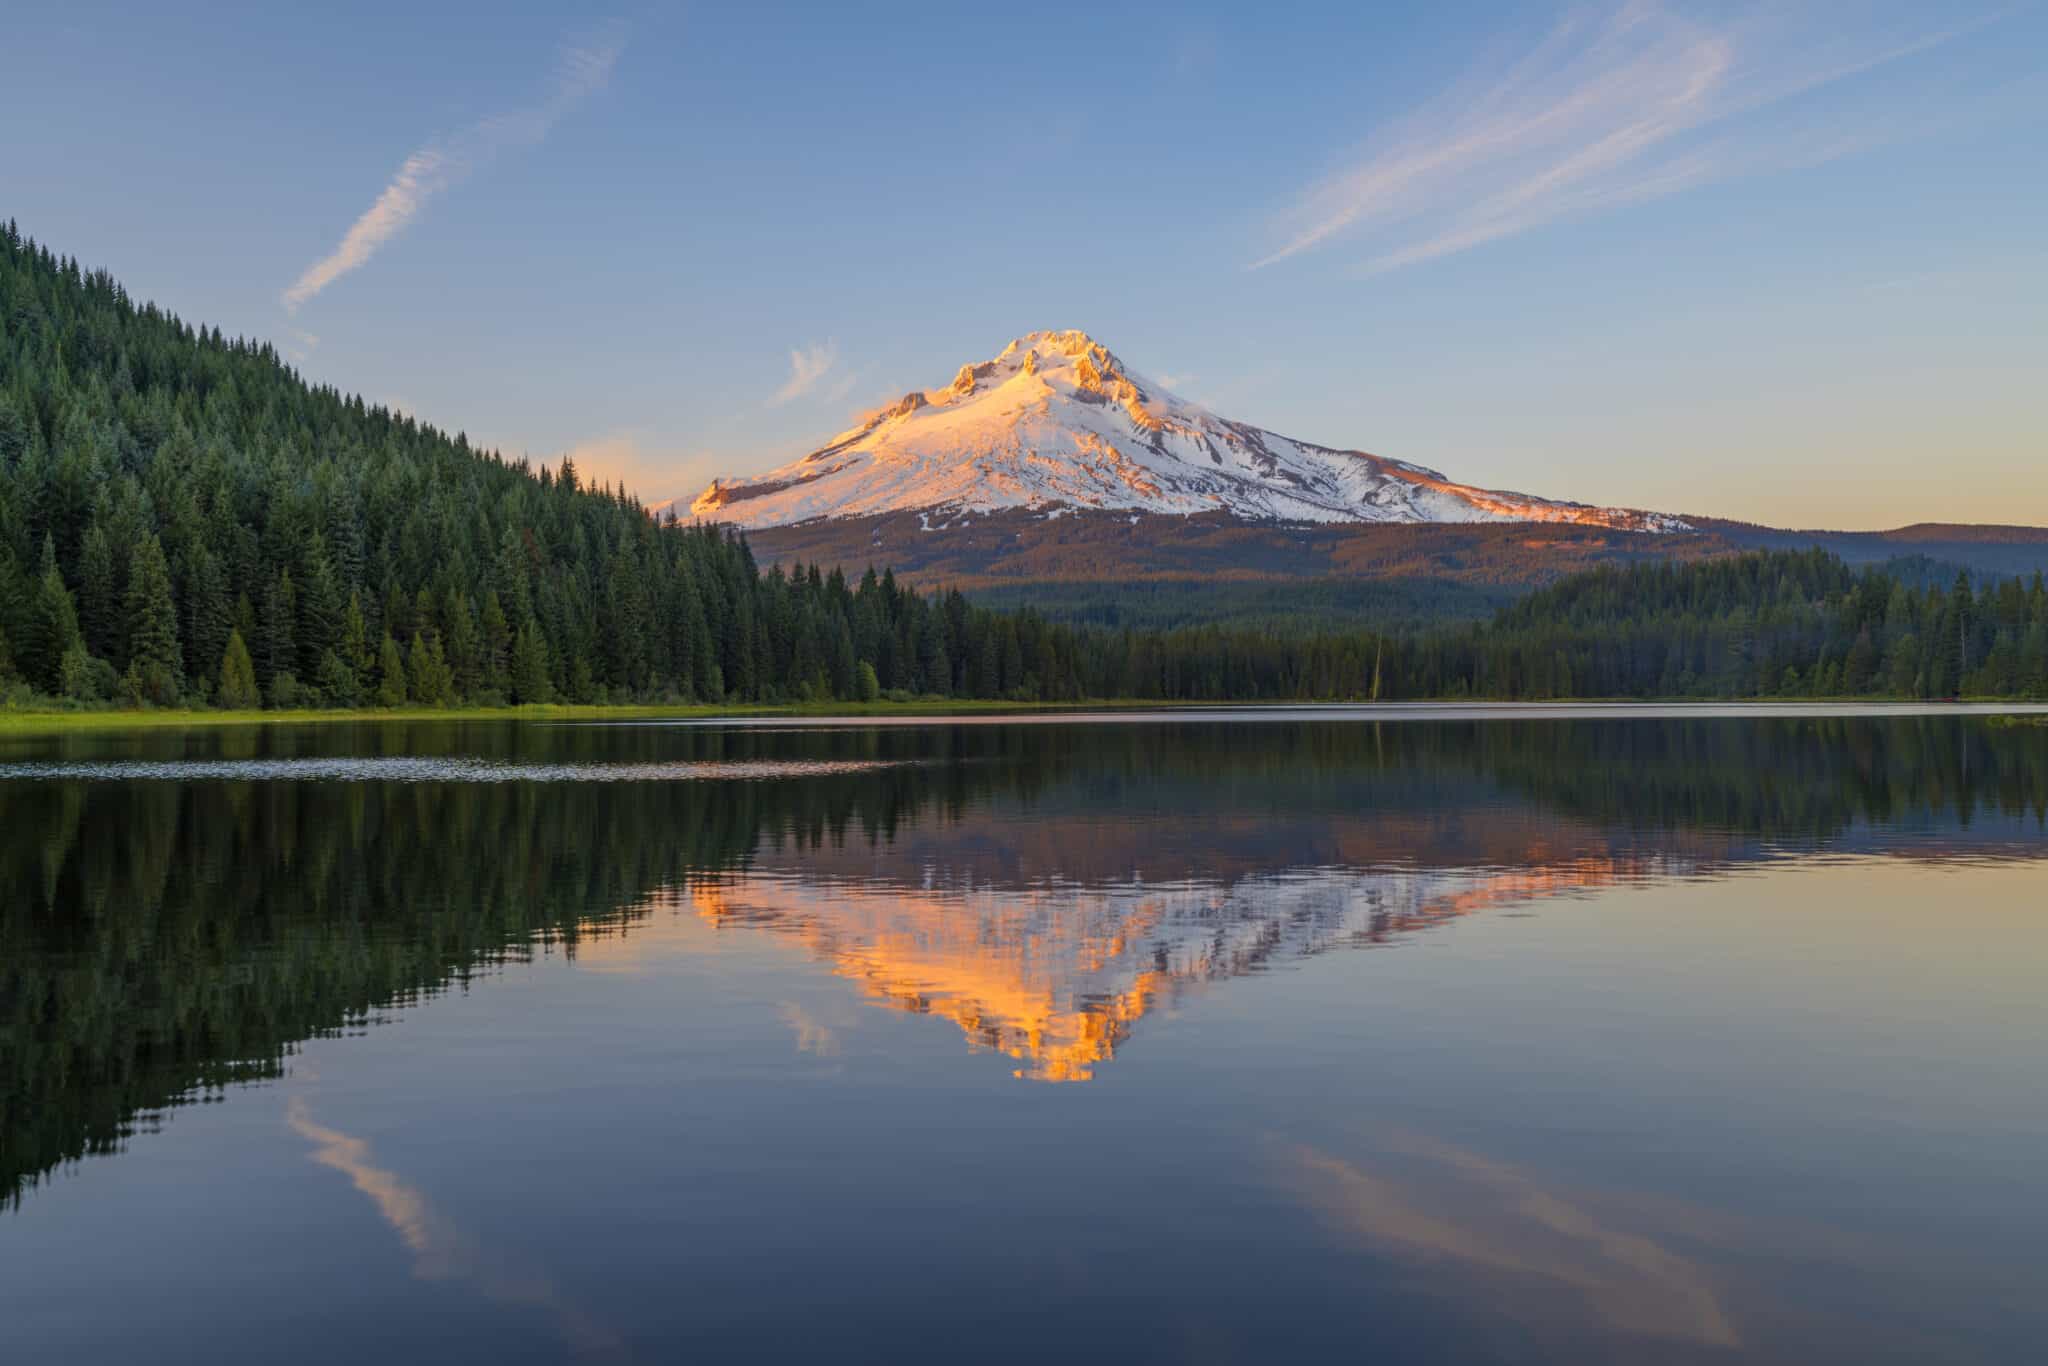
(581, 69)
(443, 1250)
(1523, 1238)
(1606, 109)
(807, 366)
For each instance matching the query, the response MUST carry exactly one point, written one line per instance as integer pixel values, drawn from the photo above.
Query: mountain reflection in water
(177, 924)
(1055, 975)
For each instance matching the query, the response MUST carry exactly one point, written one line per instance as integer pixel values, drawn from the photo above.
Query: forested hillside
(1790, 623)
(184, 520)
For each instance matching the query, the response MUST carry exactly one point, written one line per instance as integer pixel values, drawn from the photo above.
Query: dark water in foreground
(1553, 1039)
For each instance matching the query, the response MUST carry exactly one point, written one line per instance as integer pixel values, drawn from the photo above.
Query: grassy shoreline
(119, 718)
(17, 721)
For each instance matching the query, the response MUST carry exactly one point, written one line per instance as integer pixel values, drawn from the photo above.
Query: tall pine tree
(155, 658)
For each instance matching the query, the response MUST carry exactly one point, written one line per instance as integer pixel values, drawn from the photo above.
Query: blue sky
(1779, 262)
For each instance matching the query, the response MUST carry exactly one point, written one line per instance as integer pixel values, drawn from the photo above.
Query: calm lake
(1577, 1036)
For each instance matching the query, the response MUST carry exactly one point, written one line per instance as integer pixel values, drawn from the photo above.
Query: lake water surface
(1412, 1035)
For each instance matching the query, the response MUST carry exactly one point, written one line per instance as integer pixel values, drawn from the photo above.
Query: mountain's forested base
(1396, 605)
(183, 520)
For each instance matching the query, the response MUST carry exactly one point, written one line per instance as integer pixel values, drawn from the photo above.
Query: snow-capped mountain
(1056, 422)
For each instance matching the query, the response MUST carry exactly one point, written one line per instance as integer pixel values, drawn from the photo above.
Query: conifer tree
(337, 681)
(319, 622)
(426, 617)
(426, 672)
(154, 654)
(1861, 663)
(243, 617)
(237, 690)
(1962, 608)
(209, 612)
(100, 617)
(465, 663)
(497, 645)
(1902, 665)
(392, 689)
(530, 673)
(935, 669)
(278, 651)
(513, 585)
(52, 626)
(2034, 661)
(354, 648)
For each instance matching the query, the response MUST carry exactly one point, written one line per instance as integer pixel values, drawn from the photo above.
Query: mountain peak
(1034, 348)
(1071, 342)
(1056, 422)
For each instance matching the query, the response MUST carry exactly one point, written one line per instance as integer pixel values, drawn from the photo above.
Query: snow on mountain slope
(1057, 422)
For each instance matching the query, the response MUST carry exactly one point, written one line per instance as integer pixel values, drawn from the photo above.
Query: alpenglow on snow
(1056, 422)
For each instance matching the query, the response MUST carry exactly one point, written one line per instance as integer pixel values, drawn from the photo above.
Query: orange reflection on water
(1019, 973)
(1055, 975)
